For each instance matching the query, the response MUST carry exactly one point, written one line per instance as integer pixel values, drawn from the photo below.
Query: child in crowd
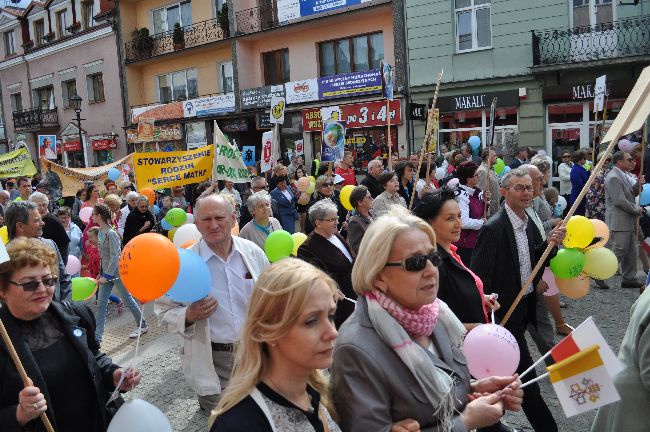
(93, 269)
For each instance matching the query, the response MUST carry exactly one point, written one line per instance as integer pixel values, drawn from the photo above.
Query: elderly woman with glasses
(71, 378)
(389, 197)
(399, 356)
(327, 250)
(325, 190)
(140, 220)
(262, 224)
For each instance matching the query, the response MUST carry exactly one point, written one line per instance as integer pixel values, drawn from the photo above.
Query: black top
(247, 416)
(54, 230)
(374, 187)
(134, 221)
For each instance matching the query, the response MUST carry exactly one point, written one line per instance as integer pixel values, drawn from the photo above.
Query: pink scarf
(416, 323)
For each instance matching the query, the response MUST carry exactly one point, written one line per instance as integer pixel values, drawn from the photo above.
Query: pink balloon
(491, 350)
(74, 265)
(303, 184)
(85, 214)
(549, 278)
(626, 145)
(453, 182)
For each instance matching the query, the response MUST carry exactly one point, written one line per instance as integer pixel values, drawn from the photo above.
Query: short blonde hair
(378, 242)
(28, 252)
(113, 201)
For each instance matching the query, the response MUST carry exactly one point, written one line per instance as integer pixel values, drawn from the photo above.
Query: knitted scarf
(389, 323)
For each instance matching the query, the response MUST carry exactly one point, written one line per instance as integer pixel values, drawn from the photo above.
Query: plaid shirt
(519, 228)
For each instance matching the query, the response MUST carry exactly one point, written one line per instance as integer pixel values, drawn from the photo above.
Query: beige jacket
(196, 350)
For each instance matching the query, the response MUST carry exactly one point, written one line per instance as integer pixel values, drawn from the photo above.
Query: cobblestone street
(164, 386)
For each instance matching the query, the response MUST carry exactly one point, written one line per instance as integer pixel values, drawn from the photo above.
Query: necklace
(300, 405)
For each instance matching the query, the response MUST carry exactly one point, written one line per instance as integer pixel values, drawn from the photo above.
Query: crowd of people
(380, 296)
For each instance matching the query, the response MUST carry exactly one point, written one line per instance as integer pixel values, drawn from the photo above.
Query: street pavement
(163, 384)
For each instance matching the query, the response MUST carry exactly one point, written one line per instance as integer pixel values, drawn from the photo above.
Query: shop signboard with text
(301, 91)
(209, 106)
(260, 97)
(351, 84)
(104, 144)
(166, 132)
(294, 9)
(173, 110)
(359, 115)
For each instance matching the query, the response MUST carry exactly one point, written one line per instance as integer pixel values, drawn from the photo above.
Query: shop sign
(260, 97)
(234, 125)
(72, 146)
(294, 9)
(359, 115)
(352, 84)
(104, 144)
(209, 106)
(478, 101)
(263, 121)
(584, 92)
(164, 132)
(417, 111)
(301, 91)
(173, 110)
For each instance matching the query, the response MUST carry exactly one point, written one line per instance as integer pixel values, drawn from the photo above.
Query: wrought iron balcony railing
(623, 38)
(193, 35)
(256, 19)
(35, 118)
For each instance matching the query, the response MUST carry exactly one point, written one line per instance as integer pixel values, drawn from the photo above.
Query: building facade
(52, 51)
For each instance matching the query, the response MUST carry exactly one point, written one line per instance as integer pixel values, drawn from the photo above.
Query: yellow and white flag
(582, 383)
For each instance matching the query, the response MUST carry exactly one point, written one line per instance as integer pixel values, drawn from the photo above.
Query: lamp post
(75, 101)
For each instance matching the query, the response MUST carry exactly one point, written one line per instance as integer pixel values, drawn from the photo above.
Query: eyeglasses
(520, 188)
(33, 285)
(417, 263)
(630, 159)
(566, 156)
(330, 220)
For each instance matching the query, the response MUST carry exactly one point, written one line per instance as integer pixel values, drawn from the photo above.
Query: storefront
(167, 137)
(103, 147)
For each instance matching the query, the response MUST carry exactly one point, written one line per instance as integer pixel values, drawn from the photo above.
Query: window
(39, 32)
(218, 5)
(10, 43)
(165, 18)
(473, 24)
(95, 83)
(16, 100)
(68, 89)
(62, 23)
(87, 14)
(353, 54)
(226, 78)
(181, 85)
(276, 67)
(43, 97)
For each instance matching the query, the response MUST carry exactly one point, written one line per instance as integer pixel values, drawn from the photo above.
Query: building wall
(201, 10)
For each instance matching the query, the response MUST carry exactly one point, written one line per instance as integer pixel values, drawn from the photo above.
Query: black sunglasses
(33, 285)
(417, 262)
(327, 184)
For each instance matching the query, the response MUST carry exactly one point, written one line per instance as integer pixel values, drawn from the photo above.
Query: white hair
(257, 198)
(37, 197)
(132, 195)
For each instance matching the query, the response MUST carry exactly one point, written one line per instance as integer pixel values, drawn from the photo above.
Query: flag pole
(390, 141)
(539, 378)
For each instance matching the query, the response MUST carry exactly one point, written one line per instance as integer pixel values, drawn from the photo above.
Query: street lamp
(75, 101)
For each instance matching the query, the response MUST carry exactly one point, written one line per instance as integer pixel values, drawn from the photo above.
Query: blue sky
(22, 3)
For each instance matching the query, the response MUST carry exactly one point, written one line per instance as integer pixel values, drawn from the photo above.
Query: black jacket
(496, 261)
(100, 368)
(373, 185)
(134, 221)
(54, 230)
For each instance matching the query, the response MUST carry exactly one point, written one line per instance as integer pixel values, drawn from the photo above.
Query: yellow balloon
(298, 239)
(600, 263)
(579, 232)
(574, 288)
(312, 179)
(312, 187)
(346, 191)
(170, 233)
(4, 235)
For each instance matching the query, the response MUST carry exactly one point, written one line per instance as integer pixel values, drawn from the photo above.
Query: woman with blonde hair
(287, 338)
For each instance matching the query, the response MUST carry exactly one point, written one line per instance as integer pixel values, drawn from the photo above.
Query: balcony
(34, 119)
(256, 19)
(193, 35)
(608, 41)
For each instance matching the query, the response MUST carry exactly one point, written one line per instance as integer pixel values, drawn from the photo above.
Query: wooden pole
(21, 370)
(593, 141)
(645, 92)
(390, 141)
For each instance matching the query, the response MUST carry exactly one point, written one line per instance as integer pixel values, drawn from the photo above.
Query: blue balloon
(113, 174)
(166, 225)
(156, 209)
(644, 199)
(193, 282)
(507, 169)
(474, 142)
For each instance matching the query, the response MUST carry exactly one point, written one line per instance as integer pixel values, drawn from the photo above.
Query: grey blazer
(109, 254)
(620, 207)
(372, 388)
(63, 288)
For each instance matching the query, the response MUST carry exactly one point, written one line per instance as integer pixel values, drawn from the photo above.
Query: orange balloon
(574, 288)
(601, 232)
(149, 193)
(145, 275)
(188, 244)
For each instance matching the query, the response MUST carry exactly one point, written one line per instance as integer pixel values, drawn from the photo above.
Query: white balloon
(453, 182)
(626, 145)
(561, 202)
(185, 233)
(189, 219)
(440, 173)
(139, 416)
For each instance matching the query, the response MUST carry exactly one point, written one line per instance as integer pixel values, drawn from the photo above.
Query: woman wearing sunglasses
(399, 356)
(324, 190)
(71, 378)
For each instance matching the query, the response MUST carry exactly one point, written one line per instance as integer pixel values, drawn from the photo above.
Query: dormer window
(39, 32)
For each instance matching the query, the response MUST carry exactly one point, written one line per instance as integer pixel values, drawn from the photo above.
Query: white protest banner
(599, 93)
(228, 164)
(266, 161)
(277, 110)
(301, 91)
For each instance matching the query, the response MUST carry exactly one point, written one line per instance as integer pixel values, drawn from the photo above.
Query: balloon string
(137, 345)
(230, 312)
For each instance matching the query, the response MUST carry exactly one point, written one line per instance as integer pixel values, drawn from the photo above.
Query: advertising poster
(312, 7)
(146, 127)
(352, 84)
(301, 91)
(209, 106)
(387, 80)
(248, 154)
(47, 146)
(300, 147)
(276, 116)
(333, 141)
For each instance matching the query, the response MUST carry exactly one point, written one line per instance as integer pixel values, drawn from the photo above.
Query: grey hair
(37, 197)
(529, 167)
(374, 162)
(17, 211)
(257, 198)
(131, 195)
(142, 198)
(519, 172)
(321, 208)
(5, 194)
(541, 163)
(230, 209)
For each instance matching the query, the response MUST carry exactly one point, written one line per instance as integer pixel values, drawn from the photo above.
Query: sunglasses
(418, 262)
(327, 184)
(33, 285)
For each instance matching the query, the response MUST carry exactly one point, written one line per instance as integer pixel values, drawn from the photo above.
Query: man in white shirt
(210, 327)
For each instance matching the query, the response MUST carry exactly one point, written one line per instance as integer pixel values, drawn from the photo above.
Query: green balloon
(278, 245)
(568, 263)
(176, 217)
(499, 166)
(82, 288)
(18, 199)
